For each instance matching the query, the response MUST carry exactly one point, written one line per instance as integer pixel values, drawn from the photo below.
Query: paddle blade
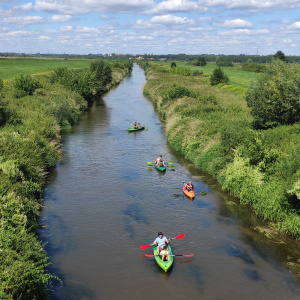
(143, 247)
(188, 255)
(149, 255)
(180, 236)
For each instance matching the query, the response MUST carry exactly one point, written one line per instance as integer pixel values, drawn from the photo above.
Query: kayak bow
(162, 169)
(190, 194)
(165, 265)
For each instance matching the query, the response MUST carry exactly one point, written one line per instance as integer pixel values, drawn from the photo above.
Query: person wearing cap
(159, 161)
(160, 242)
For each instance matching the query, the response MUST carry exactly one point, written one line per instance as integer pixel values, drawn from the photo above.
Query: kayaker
(165, 253)
(135, 125)
(160, 242)
(159, 161)
(188, 186)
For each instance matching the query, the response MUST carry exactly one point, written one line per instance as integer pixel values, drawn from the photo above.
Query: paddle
(186, 255)
(180, 236)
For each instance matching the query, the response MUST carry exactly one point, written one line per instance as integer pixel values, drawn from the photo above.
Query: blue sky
(150, 26)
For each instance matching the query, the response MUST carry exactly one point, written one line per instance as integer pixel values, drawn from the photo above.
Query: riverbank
(33, 110)
(212, 127)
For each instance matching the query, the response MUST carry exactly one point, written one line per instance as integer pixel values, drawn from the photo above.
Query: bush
(179, 91)
(218, 76)
(183, 71)
(253, 67)
(26, 84)
(274, 98)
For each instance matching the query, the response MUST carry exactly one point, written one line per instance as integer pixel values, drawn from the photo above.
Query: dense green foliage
(218, 76)
(221, 62)
(26, 84)
(173, 64)
(261, 167)
(29, 145)
(200, 61)
(280, 55)
(184, 71)
(86, 82)
(274, 98)
(253, 67)
(178, 91)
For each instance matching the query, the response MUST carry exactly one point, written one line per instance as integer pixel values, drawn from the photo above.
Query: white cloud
(237, 24)
(16, 10)
(253, 5)
(86, 6)
(59, 18)
(295, 25)
(245, 32)
(43, 37)
(172, 6)
(23, 20)
(165, 20)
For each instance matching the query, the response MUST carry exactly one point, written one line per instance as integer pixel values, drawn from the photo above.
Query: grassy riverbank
(212, 127)
(30, 122)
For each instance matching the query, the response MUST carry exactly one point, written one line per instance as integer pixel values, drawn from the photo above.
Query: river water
(102, 202)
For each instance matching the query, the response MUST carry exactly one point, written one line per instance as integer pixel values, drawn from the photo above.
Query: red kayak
(190, 194)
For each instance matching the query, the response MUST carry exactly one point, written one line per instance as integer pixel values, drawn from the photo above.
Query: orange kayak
(190, 194)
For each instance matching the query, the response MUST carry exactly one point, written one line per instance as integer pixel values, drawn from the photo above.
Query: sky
(233, 27)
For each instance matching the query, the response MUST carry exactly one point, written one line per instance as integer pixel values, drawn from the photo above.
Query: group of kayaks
(164, 264)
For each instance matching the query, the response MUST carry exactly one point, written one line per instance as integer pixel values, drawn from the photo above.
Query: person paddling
(188, 186)
(160, 242)
(159, 161)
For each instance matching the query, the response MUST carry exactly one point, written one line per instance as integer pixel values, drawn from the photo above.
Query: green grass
(12, 67)
(236, 76)
(214, 131)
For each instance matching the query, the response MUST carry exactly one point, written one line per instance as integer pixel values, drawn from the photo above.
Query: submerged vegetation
(33, 109)
(214, 128)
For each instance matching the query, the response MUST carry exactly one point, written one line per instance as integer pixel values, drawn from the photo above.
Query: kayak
(162, 169)
(190, 194)
(165, 265)
(136, 129)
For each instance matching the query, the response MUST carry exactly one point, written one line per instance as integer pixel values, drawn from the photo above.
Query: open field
(237, 77)
(11, 67)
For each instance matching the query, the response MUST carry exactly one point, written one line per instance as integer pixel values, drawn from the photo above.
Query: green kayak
(162, 169)
(136, 129)
(165, 265)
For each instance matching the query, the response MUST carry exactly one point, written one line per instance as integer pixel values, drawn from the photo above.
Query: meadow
(237, 77)
(12, 67)
(213, 128)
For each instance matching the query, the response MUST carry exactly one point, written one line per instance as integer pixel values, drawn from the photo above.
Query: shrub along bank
(214, 129)
(32, 111)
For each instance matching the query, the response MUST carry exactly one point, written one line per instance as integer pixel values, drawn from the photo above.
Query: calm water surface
(103, 202)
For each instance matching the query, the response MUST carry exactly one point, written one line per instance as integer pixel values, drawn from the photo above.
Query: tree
(280, 55)
(274, 98)
(200, 62)
(27, 84)
(218, 76)
(221, 62)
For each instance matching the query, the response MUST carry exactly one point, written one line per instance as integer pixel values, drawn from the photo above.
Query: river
(103, 201)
